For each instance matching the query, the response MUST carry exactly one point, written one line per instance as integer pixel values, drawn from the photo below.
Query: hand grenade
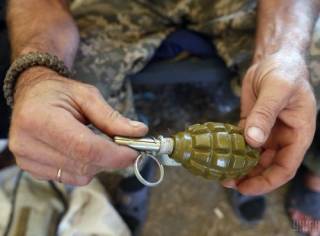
(211, 150)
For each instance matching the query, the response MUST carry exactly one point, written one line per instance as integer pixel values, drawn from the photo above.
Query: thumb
(272, 98)
(104, 117)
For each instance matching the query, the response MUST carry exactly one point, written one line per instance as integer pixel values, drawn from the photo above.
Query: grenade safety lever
(211, 150)
(159, 145)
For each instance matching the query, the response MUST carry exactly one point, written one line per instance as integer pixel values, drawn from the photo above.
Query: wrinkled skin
(48, 129)
(278, 113)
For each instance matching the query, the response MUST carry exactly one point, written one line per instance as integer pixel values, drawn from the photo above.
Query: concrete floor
(185, 205)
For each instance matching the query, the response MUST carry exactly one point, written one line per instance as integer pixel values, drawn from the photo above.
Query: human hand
(278, 113)
(48, 129)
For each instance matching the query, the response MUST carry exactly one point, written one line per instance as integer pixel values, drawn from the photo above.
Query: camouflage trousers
(119, 37)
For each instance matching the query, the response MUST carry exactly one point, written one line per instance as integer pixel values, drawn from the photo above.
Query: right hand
(48, 129)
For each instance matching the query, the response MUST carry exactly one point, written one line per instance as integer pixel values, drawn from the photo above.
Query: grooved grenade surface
(214, 151)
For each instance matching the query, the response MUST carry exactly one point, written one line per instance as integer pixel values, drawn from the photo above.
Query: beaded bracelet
(27, 61)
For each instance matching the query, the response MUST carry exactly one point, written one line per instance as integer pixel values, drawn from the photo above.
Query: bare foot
(305, 223)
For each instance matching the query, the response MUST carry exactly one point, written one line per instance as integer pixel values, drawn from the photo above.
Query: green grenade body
(214, 151)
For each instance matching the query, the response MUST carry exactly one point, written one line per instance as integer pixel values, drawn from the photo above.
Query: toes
(304, 223)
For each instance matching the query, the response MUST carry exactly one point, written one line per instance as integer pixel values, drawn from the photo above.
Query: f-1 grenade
(211, 150)
(214, 151)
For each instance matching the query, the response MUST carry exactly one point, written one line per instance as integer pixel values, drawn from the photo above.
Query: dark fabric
(188, 71)
(203, 64)
(4, 64)
(132, 199)
(250, 209)
(184, 40)
(312, 158)
(132, 184)
(2, 12)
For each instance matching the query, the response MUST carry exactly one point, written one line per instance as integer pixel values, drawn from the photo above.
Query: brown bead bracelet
(26, 61)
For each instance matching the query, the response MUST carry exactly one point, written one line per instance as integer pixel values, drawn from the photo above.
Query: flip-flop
(301, 198)
(132, 199)
(250, 209)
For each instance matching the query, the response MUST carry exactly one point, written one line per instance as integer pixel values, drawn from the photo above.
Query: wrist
(32, 75)
(286, 64)
(26, 62)
(287, 52)
(284, 25)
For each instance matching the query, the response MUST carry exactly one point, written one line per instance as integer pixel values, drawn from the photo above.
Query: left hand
(278, 114)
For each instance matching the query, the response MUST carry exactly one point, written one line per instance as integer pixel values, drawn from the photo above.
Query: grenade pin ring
(138, 174)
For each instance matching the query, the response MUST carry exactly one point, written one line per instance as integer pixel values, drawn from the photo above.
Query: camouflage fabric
(119, 37)
(314, 62)
(312, 161)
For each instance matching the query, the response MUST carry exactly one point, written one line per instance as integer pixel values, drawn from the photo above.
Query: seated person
(48, 133)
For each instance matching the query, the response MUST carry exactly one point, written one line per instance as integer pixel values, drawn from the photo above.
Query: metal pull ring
(140, 177)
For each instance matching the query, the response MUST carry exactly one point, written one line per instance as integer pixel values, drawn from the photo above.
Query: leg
(115, 42)
(231, 25)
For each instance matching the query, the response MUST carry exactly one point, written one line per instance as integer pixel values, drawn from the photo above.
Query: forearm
(45, 26)
(285, 24)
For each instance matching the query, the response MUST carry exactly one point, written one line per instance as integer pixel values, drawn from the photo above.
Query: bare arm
(285, 25)
(278, 108)
(48, 127)
(42, 26)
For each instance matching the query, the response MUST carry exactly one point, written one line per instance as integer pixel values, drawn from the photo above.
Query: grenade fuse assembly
(211, 150)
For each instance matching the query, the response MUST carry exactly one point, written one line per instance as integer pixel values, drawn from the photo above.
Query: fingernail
(229, 186)
(136, 123)
(256, 134)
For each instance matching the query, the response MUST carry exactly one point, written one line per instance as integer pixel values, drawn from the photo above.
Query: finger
(44, 172)
(247, 97)
(229, 183)
(283, 168)
(257, 170)
(41, 153)
(242, 123)
(76, 141)
(105, 118)
(232, 183)
(272, 98)
(267, 157)
(265, 160)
